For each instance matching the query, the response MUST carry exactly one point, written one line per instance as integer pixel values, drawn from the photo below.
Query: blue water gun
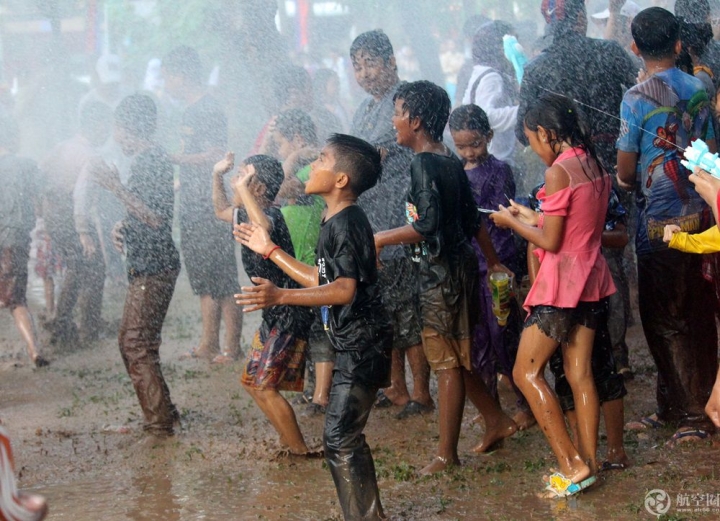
(698, 155)
(515, 54)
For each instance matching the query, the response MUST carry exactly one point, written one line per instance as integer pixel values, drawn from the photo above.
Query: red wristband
(266, 257)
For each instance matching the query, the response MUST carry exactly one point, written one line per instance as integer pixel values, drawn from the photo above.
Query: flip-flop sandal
(608, 465)
(691, 433)
(558, 486)
(646, 423)
(16, 505)
(382, 402)
(413, 408)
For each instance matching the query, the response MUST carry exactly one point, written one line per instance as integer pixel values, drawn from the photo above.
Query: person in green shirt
(296, 137)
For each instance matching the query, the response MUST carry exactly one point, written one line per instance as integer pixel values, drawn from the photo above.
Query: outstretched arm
(223, 208)
(403, 235)
(265, 294)
(109, 178)
(255, 213)
(258, 240)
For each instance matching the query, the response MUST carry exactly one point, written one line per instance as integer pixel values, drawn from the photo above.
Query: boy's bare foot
(495, 433)
(395, 397)
(615, 460)
(524, 420)
(439, 464)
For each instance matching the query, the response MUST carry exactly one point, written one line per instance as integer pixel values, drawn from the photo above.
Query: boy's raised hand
(264, 294)
(223, 166)
(254, 237)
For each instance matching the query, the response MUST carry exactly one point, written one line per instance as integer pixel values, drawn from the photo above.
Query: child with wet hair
(564, 302)
(492, 183)
(344, 283)
(152, 260)
(444, 218)
(276, 361)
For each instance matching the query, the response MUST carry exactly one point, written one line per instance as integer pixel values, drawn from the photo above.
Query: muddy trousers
(352, 396)
(677, 313)
(146, 305)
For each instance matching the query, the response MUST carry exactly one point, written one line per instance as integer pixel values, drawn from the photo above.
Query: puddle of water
(179, 496)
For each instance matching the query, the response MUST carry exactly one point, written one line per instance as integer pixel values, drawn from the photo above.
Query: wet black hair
(375, 43)
(137, 114)
(428, 102)
(289, 78)
(693, 11)
(487, 45)
(184, 61)
(695, 36)
(469, 117)
(561, 118)
(296, 122)
(358, 159)
(268, 172)
(655, 31)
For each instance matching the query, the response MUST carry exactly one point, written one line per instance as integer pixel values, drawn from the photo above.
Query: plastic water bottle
(500, 289)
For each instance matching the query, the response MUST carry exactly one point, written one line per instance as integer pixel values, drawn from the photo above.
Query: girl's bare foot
(439, 464)
(495, 433)
(524, 420)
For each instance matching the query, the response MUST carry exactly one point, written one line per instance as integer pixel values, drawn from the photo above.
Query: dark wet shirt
(294, 320)
(447, 216)
(384, 203)
(346, 249)
(19, 190)
(151, 251)
(593, 72)
(204, 127)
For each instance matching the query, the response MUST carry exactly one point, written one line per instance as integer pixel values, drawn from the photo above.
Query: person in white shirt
(492, 88)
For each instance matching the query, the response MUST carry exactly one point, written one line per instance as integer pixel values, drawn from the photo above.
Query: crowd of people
(369, 246)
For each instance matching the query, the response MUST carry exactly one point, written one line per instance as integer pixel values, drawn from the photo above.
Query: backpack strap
(475, 84)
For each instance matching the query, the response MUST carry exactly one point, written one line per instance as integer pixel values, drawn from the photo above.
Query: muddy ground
(221, 466)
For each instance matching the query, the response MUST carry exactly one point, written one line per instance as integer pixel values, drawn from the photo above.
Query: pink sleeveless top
(577, 271)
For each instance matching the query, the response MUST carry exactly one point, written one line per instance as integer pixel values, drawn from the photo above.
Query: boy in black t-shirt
(444, 219)
(153, 262)
(276, 361)
(344, 283)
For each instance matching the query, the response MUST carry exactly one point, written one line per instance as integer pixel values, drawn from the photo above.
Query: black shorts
(398, 286)
(14, 275)
(208, 253)
(558, 323)
(609, 384)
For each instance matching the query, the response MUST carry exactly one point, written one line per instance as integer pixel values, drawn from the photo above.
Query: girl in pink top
(564, 300)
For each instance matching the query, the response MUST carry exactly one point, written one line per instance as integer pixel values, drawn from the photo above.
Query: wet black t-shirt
(446, 213)
(346, 249)
(151, 251)
(294, 320)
